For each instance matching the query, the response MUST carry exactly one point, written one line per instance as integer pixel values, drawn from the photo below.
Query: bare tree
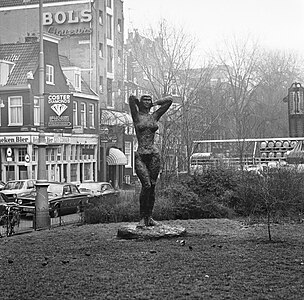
(162, 59)
(277, 71)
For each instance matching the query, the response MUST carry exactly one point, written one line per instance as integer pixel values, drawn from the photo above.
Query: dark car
(99, 191)
(64, 198)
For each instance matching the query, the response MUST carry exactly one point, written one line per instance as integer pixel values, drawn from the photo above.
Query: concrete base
(150, 232)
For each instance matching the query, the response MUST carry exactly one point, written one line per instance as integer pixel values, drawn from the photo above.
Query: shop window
(64, 152)
(59, 153)
(49, 74)
(91, 115)
(74, 172)
(15, 113)
(83, 114)
(75, 113)
(34, 154)
(87, 171)
(36, 111)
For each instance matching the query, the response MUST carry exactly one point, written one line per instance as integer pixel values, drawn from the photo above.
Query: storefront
(70, 158)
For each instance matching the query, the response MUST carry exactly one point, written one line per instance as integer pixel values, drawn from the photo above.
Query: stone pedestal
(133, 231)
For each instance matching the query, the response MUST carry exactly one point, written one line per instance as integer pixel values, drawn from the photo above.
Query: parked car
(15, 188)
(2, 184)
(64, 198)
(99, 191)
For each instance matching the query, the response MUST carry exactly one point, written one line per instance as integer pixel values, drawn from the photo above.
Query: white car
(15, 188)
(99, 190)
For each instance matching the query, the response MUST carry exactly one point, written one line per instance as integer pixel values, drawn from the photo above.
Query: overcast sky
(277, 24)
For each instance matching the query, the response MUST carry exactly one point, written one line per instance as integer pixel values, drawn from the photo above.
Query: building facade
(69, 156)
(91, 39)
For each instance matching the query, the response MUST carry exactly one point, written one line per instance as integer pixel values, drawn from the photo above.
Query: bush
(217, 193)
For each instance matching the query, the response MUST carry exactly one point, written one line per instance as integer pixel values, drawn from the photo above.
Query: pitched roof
(8, 3)
(25, 58)
(85, 88)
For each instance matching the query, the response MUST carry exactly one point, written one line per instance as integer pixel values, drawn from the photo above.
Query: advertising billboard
(59, 110)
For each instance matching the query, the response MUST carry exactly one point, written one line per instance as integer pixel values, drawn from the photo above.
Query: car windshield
(55, 189)
(14, 185)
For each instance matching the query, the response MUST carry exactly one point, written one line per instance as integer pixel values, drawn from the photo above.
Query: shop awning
(116, 157)
(112, 117)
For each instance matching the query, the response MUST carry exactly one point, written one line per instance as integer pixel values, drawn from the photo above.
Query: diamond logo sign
(59, 112)
(59, 108)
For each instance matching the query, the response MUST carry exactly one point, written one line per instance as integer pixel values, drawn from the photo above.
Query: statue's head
(145, 102)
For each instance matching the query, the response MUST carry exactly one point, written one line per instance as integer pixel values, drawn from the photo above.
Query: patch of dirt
(217, 259)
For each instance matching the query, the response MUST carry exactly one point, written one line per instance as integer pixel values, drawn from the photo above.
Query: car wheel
(55, 212)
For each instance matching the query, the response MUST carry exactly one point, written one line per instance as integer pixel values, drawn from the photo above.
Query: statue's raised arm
(134, 107)
(165, 104)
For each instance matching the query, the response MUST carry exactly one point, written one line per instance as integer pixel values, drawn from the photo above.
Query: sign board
(9, 152)
(9, 158)
(59, 111)
(27, 158)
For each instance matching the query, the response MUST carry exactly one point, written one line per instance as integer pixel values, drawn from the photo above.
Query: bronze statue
(147, 157)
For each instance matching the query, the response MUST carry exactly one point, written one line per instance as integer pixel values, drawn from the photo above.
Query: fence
(16, 221)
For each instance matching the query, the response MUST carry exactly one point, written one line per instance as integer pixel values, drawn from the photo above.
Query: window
(100, 17)
(119, 87)
(52, 154)
(119, 56)
(15, 114)
(128, 153)
(36, 111)
(109, 94)
(119, 25)
(83, 117)
(100, 84)
(109, 27)
(21, 154)
(101, 50)
(109, 3)
(77, 82)
(49, 74)
(91, 115)
(75, 113)
(110, 59)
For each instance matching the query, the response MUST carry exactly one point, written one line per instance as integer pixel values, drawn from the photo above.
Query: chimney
(31, 38)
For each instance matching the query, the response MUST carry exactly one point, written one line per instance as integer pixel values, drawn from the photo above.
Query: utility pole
(42, 217)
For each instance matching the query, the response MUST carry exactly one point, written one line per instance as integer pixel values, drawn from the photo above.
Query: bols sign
(59, 111)
(70, 17)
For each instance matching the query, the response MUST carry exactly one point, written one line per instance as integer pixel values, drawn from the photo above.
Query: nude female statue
(147, 157)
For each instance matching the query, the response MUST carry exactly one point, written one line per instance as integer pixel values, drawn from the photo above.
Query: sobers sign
(59, 111)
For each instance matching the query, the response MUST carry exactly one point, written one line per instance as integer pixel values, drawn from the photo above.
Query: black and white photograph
(151, 149)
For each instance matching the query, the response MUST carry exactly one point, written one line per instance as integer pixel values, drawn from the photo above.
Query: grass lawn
(219, 259)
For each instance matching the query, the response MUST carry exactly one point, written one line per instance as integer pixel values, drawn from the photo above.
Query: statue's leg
(154, 169)
(143, 175)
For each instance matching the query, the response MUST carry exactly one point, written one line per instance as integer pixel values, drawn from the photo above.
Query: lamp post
(42, 217)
